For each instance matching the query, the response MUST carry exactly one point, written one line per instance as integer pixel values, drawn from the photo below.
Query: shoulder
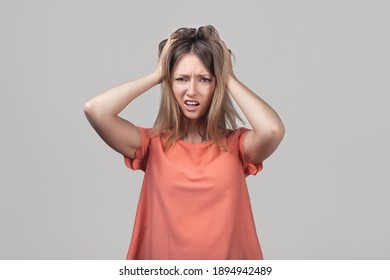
(236, 134)
(235, 138)
(149, 133)
(238, 144)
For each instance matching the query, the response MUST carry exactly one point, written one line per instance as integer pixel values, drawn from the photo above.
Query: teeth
(191, 103)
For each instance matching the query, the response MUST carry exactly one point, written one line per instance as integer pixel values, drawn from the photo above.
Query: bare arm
(267, 128)
(102, 112)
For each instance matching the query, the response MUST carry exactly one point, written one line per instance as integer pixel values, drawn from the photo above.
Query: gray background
(323, 65)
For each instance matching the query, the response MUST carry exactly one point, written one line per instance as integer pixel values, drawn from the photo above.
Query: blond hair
(221, 116)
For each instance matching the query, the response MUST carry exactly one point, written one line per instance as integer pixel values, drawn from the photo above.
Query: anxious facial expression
(193, 87)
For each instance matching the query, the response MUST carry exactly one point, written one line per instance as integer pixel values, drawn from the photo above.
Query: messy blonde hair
(221, 116)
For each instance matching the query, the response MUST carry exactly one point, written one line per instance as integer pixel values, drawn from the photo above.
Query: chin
(191, 117)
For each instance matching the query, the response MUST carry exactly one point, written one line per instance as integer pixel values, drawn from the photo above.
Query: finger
(170, 38)
(223, 43)
(167, 45)
(225, 46)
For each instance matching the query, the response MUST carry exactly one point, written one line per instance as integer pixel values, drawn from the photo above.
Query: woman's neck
(193, 135)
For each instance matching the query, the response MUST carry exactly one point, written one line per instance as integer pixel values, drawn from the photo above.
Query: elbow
(88, 108)
(95, 112)
(277, 131)
(92, 110)
(94, 106)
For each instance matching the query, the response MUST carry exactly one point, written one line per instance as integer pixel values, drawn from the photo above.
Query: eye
(204, 80)
(180, 79)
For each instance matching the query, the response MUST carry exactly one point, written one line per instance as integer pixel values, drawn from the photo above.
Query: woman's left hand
(228, 66)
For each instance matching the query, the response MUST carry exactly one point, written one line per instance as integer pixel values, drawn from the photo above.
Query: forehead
(190, 63)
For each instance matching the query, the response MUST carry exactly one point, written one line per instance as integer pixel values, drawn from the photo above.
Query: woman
(194, 202)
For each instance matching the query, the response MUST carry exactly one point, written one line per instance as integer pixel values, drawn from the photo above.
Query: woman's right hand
(163, 54)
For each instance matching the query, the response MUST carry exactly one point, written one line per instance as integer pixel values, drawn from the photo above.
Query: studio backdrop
(323, 65)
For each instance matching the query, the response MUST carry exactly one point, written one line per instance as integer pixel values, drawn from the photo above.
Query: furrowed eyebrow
(199, 75)
(205, 76)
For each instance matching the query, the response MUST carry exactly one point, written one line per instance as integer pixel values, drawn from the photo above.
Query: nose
(191, 90)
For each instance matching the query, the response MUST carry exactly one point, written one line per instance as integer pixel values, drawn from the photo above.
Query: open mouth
(191, 104)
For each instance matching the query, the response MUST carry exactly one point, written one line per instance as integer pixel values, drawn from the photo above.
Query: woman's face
(193, 87)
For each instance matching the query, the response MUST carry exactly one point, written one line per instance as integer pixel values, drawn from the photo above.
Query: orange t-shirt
(194, 202)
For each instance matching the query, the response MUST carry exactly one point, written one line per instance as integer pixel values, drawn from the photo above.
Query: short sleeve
(141, 154)
(249, 167)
